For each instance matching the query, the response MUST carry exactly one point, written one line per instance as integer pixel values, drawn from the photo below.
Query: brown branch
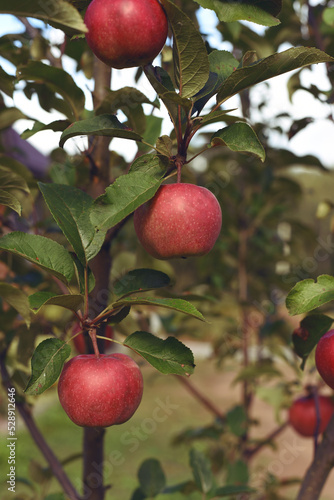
(320, 468)
(37, 436)
(198, 395)
(249, 453)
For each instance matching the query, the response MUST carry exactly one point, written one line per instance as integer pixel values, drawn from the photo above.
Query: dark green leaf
(70, 208)
(190, 55)
(42, 251)
(81, 275)
(151, 133)
(244, 10)
(46, 365)
(151, 477)
(222, 65)
(308, 295)
(140, 280)
(58, 13)
(239, 137)
(58, 80)
(8, 116)
(167, 356)
(236, 419)
(127, 193)
(237, 473)
(12, 180)
(125, 99)
(55, 126)
(308, 334)
(39, 299)
(10, 201)
(226, 491)
(162, 84)
(271, 66)
(17, 299)
(179, 305)
(6, 83)
(102, 125)
(201, 469)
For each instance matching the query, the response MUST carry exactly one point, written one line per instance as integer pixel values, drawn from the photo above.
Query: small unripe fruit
(181, 220)
(100, 392)
(324, 358)
(126, 33)
(303, 415)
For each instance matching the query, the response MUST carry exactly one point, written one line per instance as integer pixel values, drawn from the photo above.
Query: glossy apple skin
(181, 220)
(126, 33)
(303, 416)
(100, 392)
(79, 340)
(324, 358)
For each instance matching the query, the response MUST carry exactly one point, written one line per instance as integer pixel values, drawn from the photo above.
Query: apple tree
(64, 219)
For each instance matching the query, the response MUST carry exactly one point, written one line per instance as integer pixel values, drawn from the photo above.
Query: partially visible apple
(181, 220)
(324, 358)
(80, 343)
(100, 392)
(126, 33)
(303, 415)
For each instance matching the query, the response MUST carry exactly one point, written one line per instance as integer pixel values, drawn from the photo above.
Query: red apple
(79, 340)
(303, 415)
(126, 33)
(181, 220)
(324, 358)
(99, 392)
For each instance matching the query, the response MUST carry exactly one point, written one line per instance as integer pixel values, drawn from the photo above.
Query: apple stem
(92, 334)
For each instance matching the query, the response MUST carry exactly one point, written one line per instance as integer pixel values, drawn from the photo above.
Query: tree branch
(320, 468)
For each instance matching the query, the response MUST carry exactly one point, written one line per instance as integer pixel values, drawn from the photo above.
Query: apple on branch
(181, 220)
(303, 415)
(126, 33)
(100, 391)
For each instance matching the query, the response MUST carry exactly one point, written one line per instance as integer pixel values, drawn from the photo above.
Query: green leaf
(222, 65)
(190, 55)
(151, 133)
(41, 251)
(9, 200)
(237, 473)
(306, 337)
(151, 477)
(253, 372)
(46, 365)
(162, 84)
(58, 80)
(328, 16)
(8, 116)
(127, 193)
(308, 295)
(140, 280)
(229, 12)
(80, 271)
(16, 299)
(226, 491)
(167, 356)
(58, 13)
(40, 299)
(55, 126)
(126, 99)
(178, 305)
(6, 83)
(239, 137)
(274, 65)
(12, 180)
(236, 419)
(71, 208)
(102, 125)
(201, 469)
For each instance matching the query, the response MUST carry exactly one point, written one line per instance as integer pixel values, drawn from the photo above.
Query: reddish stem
(92, 334)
